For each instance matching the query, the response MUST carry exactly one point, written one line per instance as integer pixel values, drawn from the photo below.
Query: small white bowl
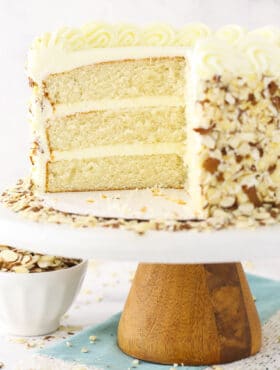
(33, 303)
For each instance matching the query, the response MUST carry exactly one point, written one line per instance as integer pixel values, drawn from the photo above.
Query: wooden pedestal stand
(192, 314)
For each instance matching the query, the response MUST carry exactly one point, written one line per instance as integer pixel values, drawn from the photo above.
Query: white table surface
(102, 295)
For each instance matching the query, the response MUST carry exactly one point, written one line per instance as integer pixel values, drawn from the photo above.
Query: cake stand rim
(229, 245)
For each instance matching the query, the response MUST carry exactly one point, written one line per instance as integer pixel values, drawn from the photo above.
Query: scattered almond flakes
(22, 261)
(252, 194)
(211, 164)
(135, 363)
(70, 328)
(92, 338)
(177, 201)
(22, 200)
(19, 340)
(31, 345)
(181, 201)
(157, 192)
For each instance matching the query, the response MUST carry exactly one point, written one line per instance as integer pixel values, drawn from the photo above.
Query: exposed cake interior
(117, 124)
(116, 108)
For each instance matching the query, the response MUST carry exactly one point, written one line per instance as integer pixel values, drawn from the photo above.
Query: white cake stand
(189, 302)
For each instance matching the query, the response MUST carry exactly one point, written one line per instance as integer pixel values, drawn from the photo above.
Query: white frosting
(46, 61)
(103, 35)
(231, 33)
(251, 55)
(231, 50)
(104, 104)
(269, 33)
(119, 150)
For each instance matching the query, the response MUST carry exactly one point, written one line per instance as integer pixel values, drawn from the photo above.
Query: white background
(22, 20)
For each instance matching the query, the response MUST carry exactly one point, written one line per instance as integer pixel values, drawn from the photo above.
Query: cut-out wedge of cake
(124, 107)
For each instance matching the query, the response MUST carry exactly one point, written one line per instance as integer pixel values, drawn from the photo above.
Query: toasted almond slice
(8, 255)
(20, 269)
(57, 263)
(43, 264)
(47, 258)
(35, 258)
(26, 259)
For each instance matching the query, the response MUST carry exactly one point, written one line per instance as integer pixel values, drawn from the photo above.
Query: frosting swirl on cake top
(253, 54)
(103, 35)
(229, 49)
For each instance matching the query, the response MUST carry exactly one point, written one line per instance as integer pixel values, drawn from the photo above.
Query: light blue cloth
(106, 354)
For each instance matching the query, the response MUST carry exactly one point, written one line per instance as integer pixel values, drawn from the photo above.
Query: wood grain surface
(190, 314)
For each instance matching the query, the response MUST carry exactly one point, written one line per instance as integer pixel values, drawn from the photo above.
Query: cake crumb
(143, 209)
(68, 344)
(90, 200)
(156, 192)
(181, 202)
(84, 350)
(103, 196)
(1, 365)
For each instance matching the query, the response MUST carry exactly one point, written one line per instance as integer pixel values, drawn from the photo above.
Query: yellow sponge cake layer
(118, 80)
(105, 127)
(118, 172)
(108, 119)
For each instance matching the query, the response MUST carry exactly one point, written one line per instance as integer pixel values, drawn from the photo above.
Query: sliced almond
(8, 255)
(26, 259)
(20, 270)
(43, 264)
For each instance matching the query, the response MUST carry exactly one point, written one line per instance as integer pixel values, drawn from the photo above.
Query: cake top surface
(230, 49)
(103, 35)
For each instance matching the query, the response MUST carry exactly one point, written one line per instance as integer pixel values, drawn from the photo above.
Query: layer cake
(121, 107)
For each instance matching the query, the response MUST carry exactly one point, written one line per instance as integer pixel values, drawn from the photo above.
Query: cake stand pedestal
(199, 314)
(183, 306)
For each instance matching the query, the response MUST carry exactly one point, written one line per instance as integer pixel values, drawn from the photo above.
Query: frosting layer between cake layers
(140, 101)
(202, 104)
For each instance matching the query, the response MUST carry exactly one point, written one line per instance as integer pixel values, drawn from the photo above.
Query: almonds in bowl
(36, 290)
(22, 261)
